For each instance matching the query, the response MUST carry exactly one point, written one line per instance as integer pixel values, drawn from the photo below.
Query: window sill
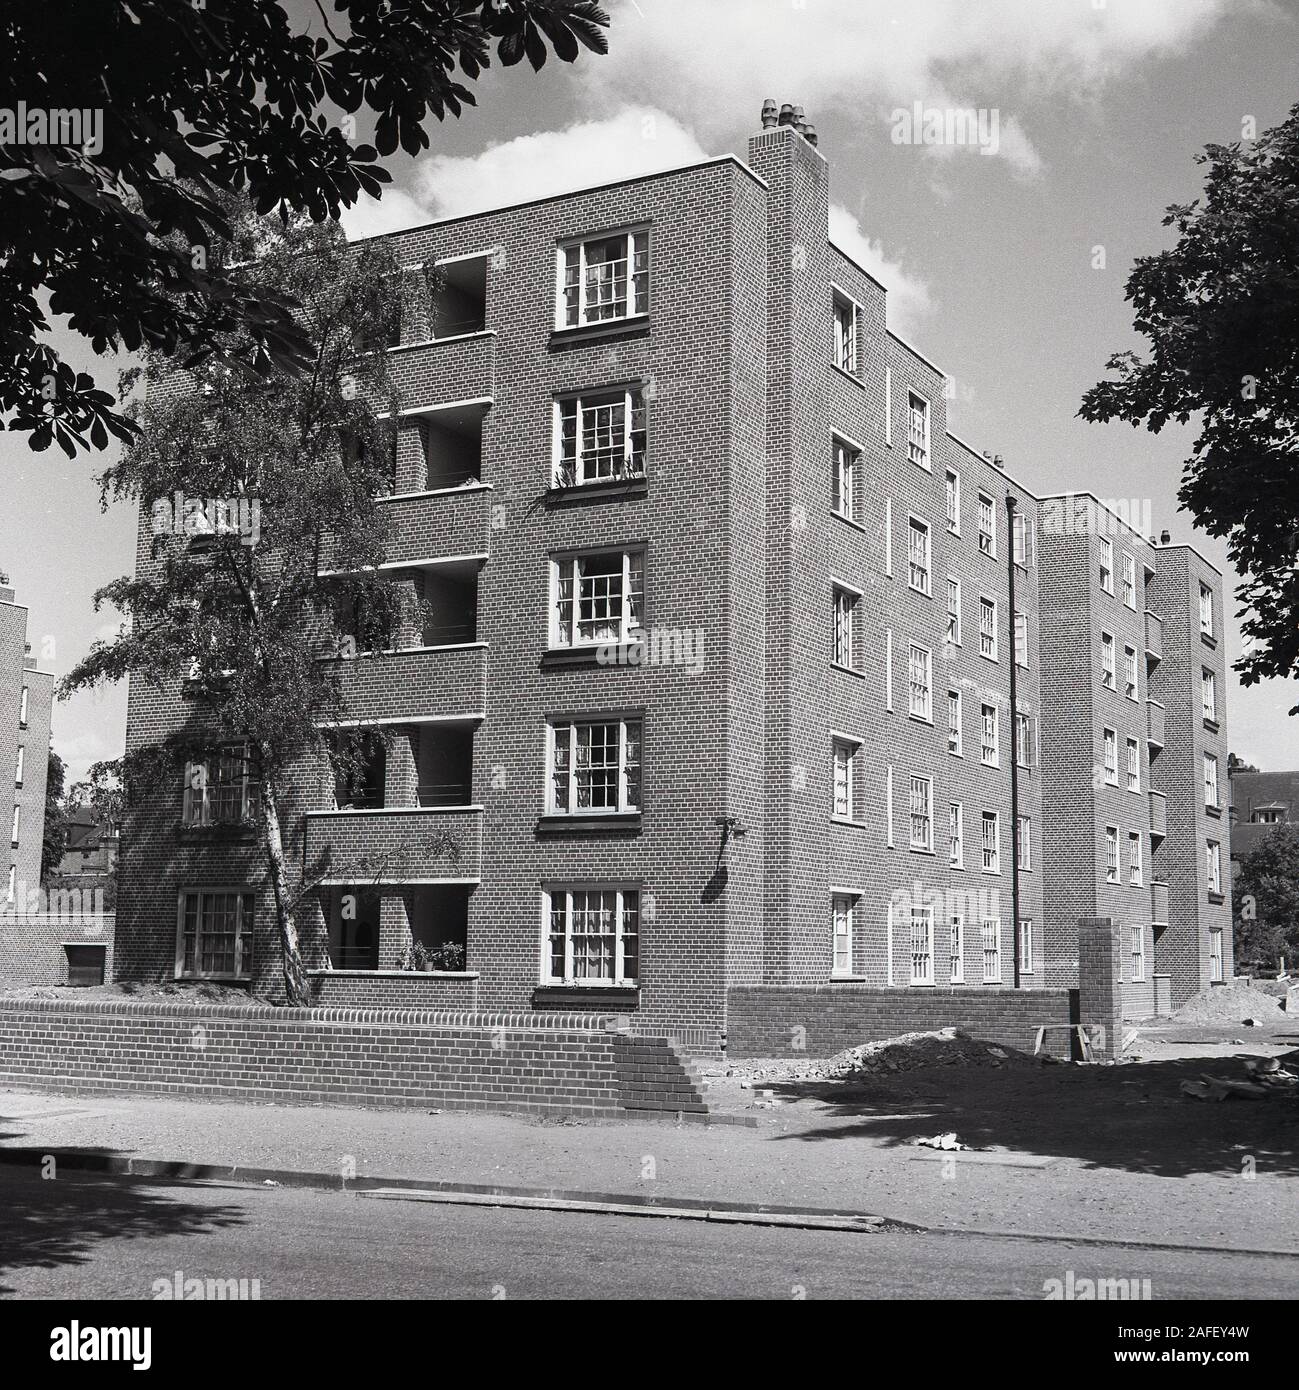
(1214, 811)
(848, 820)
(205, 979)
(848, 521)
(583, 997)
(920, 849)
(848, 670)
(1217, 898)
(634, 326)
(594, 654)
(1212, 725)
(847, 375)
(634, 485)
(848, 979)
(1209, 640)
(238, 832)
(616, 823)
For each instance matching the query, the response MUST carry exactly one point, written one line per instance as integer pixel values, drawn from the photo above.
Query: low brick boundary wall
(386, 989)
(31, 948)
(762, 1019)
(461, 1060)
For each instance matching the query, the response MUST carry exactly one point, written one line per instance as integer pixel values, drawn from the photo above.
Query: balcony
(1159, 904)
(1158, 815)
(419, 685)
(417, 844)
(1154, 639)
(1155, 725)
(433, 526)
(442, 371)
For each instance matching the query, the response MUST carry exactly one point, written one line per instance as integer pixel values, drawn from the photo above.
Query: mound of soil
(1231, 1004)
(945, 1047)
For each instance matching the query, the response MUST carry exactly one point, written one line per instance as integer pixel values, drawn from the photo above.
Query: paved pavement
(80, 1237)
(832, 1162)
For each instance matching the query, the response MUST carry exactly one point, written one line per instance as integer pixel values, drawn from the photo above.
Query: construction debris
(1270, 1078)
(947, 1141)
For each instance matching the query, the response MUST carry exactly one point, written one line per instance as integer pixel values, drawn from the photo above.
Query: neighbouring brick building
(26, 696)
(739, 683)
(1259, 802)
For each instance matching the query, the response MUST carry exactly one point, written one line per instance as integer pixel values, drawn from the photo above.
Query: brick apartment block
(25, 702)
(724, 685)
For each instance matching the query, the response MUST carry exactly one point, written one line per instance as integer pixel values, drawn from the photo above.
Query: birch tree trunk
(297, 988)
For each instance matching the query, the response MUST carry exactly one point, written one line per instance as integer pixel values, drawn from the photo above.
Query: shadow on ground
(56, 1221)
(1129, 1117)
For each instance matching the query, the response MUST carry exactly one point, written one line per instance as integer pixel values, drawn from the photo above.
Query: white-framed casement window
(221, 790)
(1025, 945)
(1021, 539)
(1111, 854)
(595, 767)
(844, 342)
(920, 683)
(953, 502)
(1134, 765)
(1130, 672)
(922, 945)
(987, 526)
(22, 708)
(1215, 954)
(18, 766)
(918, 430)
(1209, 695)
(956, 949)
(1021, 640)
(1206, 610)
(1107, 564)
(841, 913)
(845, 775)
(592, 935)
(1210, 780)
(599, 436)
(1023, 739)
(1107, 660)
(1110, 756)
(602, 279)
(12, 886)
(918, 556)
(990, 933)
(599, 596)
(1129, 582)
(991, 842)
(988, 628)
(1136, 868)
(843, 478)
(954, 724)
(15, 827)
(1024, 842)
(214, 933)
(1138, 954)
(922, 813)
(989, 741)
(952, 633)
(956, 835)
(844, 611)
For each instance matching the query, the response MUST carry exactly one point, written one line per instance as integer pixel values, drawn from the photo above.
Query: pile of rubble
(945, 1047)
(1232, 1004)
(1267, 1078)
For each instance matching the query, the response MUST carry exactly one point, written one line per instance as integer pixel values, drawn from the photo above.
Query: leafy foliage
(1265, 898)
(197, 100)
(55, 838)
(1221, 312)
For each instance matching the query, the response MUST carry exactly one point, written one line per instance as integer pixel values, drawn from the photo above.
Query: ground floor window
(922, 945)
(214, 938)
(1215, 954)
(1138, 955)
(842, 912)
(991, 932)
(957, 949)
(593, 936)
(1025, 946)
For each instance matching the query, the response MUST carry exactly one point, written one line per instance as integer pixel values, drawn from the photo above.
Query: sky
(1006, 267)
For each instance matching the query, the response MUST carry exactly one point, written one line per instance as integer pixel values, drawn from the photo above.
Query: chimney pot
(998, 461)
(786, 115)
(1165, 538)
(809, 134)
(770, 113)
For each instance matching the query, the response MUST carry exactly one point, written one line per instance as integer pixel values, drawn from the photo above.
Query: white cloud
(909, 299)
(714, 63)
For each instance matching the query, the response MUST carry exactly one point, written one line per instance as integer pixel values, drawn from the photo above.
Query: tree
(238, 615)
(101, 794)
(55, 838)
(1265, 897)
(112, 167)
(1221, 312)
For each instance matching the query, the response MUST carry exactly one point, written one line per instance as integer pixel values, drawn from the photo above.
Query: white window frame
(990, 943)
(845, 457)
(1209, 694)
(849, 748)
(1026, 943)
(952, 632)
(1211, 781)
(920, 569)
(920, 683)
(989, 736)
(1024, 842)
(568, 566)
(1113, 865)
(1131, 674)
(245, 926)
(1137, 942)
(1023, 739)
(990, 847)
(988, 645)
(1216, 960)
(922, 944)
(1110, 756)
(987, 536)
(1134, 764)
(1106, 564)
(622, 894)
(918, 439)
(584, 318)
(22, 708)
(18, 766)
(841, 934)
(16, 826)
(196, 802)
(1129, 581)
(1021, 540)
(956, 948)
(1021, 640)
(1206, 610)
(955, 724)
(922, 813)
(843, 617)
(1136, 861)
(566, 732)
(1109, 678)
(956, 834)
(843, 349)
(633, 400)
(953, 502)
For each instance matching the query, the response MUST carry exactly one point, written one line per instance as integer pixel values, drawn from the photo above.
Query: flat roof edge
(988, 463)
(853, 261)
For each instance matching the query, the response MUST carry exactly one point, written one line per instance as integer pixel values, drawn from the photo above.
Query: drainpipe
(1014, 742)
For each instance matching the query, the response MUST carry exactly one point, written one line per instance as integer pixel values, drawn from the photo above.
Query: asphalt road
(81, 1237)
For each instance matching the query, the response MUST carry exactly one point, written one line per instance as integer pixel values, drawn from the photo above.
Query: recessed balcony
(418, 685)
(1155, 725)
(446, 371)
(1154, 639)
(1158, 816)
(409, 844)
(1159, 904)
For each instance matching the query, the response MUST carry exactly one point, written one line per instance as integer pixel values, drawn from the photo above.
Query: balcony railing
(1155, 726)
(452, 522)
(1154, 638)
(416, 685)
(417, 844)
(1158, 814)
(1159, 904)
(446, 370)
